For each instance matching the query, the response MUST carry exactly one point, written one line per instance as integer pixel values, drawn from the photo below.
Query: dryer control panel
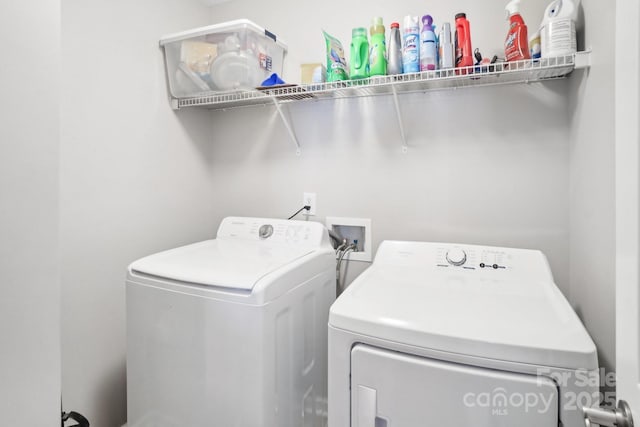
(307, 233)
(449, 257)
(472, 257)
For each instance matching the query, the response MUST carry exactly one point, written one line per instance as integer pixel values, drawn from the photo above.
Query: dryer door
(390, 389)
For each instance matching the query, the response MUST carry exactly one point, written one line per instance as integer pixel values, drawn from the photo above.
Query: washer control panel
(273, 230)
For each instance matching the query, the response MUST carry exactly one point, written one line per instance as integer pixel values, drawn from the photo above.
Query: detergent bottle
(428, 48)
(516, 45)
(410, 45)
(377, 54)
(359, 58)
(558, 28)
(464, 53)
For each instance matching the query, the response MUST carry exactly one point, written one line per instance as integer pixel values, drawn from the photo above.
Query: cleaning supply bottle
(445, 47)
(378, 51)
(394, 55)
(410, 45)
(558, 28)
(464, 53)
(359, 58)
(516, 45)
(535, 48)
(428, 48)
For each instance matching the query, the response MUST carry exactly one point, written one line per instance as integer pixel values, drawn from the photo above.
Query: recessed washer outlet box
(354, 230)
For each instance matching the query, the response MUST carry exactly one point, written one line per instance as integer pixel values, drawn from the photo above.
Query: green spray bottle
(359, 58)
(377, 55)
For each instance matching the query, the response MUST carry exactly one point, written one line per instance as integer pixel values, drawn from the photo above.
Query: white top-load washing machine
(458, 336)
(232, 332)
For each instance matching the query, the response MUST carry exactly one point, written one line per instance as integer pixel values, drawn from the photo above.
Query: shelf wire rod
(287, 125)
(399, 117)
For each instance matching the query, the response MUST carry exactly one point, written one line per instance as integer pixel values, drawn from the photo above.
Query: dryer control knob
(265, 231)
(456, 256)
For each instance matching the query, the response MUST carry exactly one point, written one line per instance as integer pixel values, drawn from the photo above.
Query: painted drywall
(627, 161)
(135, 179)
(592, 180)
(485, 165)
(480, 184)
(29, 276)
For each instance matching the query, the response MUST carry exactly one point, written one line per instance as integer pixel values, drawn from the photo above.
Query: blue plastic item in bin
(273, 80)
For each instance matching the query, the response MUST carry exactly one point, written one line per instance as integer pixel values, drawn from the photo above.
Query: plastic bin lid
(221, 28)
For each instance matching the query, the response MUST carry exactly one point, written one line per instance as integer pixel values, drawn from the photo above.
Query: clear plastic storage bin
(235, 55)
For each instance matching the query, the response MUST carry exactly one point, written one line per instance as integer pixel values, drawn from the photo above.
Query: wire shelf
(480, 75)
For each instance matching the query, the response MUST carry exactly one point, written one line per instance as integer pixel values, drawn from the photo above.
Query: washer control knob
(456, 256)
(265, 231)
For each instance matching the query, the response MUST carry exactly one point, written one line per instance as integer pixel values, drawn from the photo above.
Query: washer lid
(228, 263)
(511, 314)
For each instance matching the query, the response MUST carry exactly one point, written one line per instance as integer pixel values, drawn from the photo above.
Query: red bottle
(516, 45)
(464, 53)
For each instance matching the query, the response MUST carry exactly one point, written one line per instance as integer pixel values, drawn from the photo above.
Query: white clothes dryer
(458, 335)
(232, 332)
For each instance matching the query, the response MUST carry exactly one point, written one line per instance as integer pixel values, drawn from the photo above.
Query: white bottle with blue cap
(558, 28)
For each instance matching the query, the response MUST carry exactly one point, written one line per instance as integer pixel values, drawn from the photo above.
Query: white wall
(135, 179)
(29, 276)
(593, 183)
(487, 166)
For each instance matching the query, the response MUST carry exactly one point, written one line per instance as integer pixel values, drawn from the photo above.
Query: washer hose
(352, 247)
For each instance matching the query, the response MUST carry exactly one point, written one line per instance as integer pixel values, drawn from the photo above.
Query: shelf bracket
(287, 125)
(399, 117)
(583, 59)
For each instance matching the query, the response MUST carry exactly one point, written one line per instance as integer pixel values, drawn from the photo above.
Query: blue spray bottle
(411, 45)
